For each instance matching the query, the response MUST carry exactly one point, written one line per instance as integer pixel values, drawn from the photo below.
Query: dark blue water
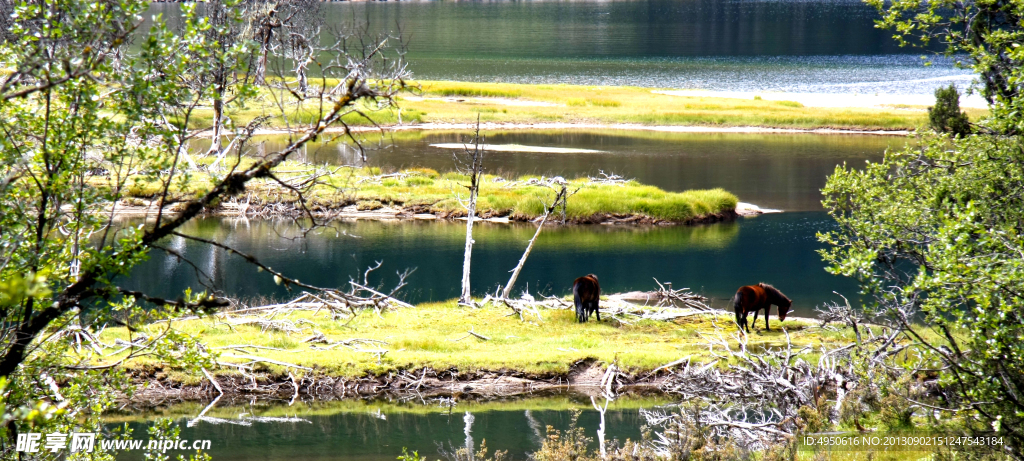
(784, 171)
(711, 259)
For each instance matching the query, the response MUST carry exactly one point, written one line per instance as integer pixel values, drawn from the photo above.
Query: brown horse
(753, 298)
(586, 293)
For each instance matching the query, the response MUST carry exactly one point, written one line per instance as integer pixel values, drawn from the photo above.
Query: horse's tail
(577, 300)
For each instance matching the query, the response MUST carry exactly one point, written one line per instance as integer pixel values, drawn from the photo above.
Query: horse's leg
(755, 317)
(767, 312)
(739, 320)
(597, 311)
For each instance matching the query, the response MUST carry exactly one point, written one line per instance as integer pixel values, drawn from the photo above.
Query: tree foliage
(83, 118)
(935, 232)
(988, 33)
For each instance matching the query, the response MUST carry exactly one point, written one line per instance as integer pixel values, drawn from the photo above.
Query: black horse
(586, 293)
(753, 298)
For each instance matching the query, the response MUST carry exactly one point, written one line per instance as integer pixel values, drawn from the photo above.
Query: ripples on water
(889, 74)
(734, 45)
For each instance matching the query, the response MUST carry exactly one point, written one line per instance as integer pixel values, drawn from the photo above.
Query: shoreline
(587, 375)
(584, 376)
(493, 126)
(387, 213)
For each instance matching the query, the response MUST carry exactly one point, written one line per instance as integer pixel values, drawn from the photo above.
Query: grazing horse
(586, 293)
(753, 298)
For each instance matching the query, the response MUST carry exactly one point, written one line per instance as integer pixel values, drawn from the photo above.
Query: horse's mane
(775, 292)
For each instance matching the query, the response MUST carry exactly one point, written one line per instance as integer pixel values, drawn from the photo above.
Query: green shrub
(946, 116)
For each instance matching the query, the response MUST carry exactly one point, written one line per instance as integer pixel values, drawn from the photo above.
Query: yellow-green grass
(435, 192)
(333, 407)
(435, 335)
(589, 104)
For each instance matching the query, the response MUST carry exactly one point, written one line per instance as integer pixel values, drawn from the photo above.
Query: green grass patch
(483, 90)
(434, 335)
(421, 186)
(586, 104)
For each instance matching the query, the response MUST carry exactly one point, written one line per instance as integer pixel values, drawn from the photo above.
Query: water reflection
(783, 171)
(713, 259)
(378, 430)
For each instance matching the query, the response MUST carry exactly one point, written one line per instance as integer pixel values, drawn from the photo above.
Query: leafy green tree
(934, 233)
(989, 33)
(945, 116)
(83, 119)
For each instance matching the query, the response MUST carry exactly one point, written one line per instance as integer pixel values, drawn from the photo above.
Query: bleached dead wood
(254, 359)
(472, 333)
(474, 168)
(561, 197)
(608, 179)
(351, 344)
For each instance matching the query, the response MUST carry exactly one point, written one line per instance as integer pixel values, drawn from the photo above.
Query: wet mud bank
(288, 210)
(586, 377)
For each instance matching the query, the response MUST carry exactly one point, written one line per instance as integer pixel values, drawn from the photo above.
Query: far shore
(448, 105)
(492, 126)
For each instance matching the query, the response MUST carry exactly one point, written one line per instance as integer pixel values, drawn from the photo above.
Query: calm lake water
(753, 45)
(711, 259)
(378, 430)
(746, 45)
(781, 171)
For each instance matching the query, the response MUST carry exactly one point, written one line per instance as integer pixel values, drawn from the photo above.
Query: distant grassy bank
(463, 102)
(425, 191)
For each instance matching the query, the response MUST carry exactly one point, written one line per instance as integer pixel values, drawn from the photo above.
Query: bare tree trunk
(218, 114)
(522, 261)
(474, 187)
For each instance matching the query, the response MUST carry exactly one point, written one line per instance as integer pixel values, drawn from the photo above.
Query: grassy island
(425, 191)
(435, 336)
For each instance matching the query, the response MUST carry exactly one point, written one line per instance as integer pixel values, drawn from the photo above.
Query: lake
(747, 45)
(782, 171)
(377, 430)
